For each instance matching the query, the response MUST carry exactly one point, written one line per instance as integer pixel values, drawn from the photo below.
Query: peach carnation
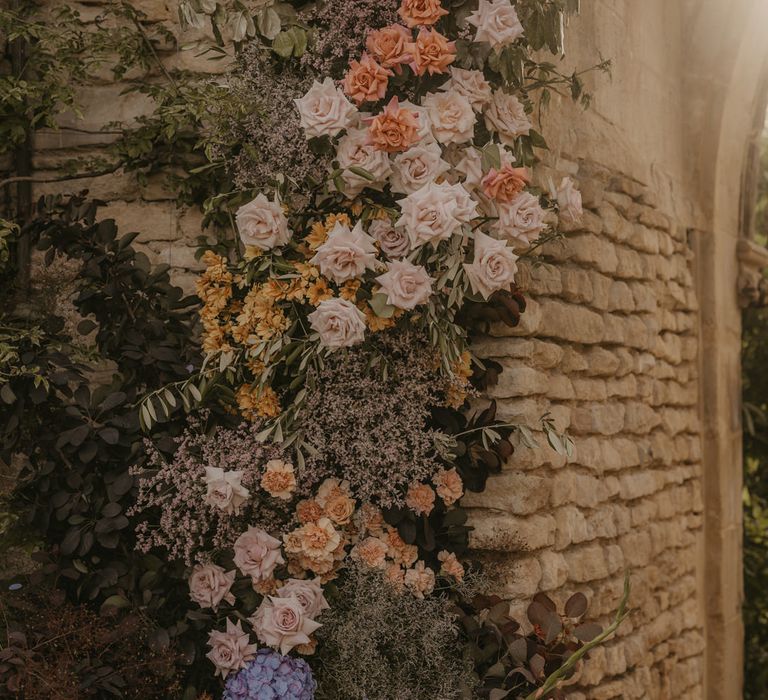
(390, 46)
(371, 552)
(366, 80)
(505, 184)
(449, 486)
(279, 480)
(420, 580)
(395, 574)
(317, 540)
(450, 565)
(394, 130)
(420, 498)
(308, 511)
(432, 53)
(399, 551)
(421, 12)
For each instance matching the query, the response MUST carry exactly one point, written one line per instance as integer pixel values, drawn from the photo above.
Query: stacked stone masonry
(607, 346)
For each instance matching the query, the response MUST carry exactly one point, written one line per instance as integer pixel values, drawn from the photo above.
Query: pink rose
(224, 490)
(494, 266)
(569, 201)
(393, 241)
(262, 224)
(230, 650)
(339, 323)
(346, 254)
(451, 116)
(281, 623)
(257, 554)
(324, 111)
(209, 585)
(521, 219)
(309, 593)
(355, 150)
(506, 115)
(405, 284)
(497, 23)
(416, 167)
(470, 84)
(429, 214)
(366, 80)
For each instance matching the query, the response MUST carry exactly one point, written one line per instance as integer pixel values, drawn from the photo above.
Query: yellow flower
(252, 252)
(349, 290)
(257, 404)
(319, 291)
(317, 235)
(214, 340)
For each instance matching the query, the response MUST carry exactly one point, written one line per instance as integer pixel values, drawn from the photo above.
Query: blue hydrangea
(271, 676)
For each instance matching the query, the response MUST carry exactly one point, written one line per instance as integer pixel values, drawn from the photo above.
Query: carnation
(271, 675)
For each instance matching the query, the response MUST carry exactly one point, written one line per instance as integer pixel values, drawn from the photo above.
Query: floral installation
(339, 331)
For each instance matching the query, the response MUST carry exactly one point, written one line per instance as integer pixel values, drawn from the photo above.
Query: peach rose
(282, 623)
(420, 498)
(394, 130)
(420, 580)
(432, 53)
(209, 585)
(417, 13)
(366, 80)
(505, 184)
(279, 480)
(450, 565)
(371, 552)
(449, 485)
(257, 554)
(340, 508)
(230, 650)
(390, 46)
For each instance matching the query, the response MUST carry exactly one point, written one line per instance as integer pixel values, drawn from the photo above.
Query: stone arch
(726, 87)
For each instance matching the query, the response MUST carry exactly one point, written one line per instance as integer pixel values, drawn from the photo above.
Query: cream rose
(470, 84)
(429, 214)
(230, 650)
(210, 584)
(416, 167)
(497, 23)
(346, 254)
(569, 201)
(281, 623)
(451, 116)
(393, 242)
(224, 490)
(355, 151)
(494, 266)
(309, 593)
(257, 554)
(324, 110)
(405, 284)
(339, 322)
(522, 219)
(506, 115)
(466, 207)
(470, 166)
(262, 224)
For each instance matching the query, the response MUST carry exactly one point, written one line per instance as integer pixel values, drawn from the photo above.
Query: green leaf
(299, 37)
(268, 22)
(283, 44)
(380, 307)
(362, 172)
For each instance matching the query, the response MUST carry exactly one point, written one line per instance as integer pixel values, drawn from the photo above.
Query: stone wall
(608, 346)
(630, 340)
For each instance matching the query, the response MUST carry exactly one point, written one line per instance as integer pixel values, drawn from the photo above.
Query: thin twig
(58, 178)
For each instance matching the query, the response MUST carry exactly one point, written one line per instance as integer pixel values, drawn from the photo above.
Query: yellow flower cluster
(254, 403)
(458, 388)
(320, 229)
(214, 287)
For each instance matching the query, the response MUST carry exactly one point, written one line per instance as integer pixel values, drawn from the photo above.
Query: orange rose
(421, 12)
(366, 80)
(394, 130)
(390, 46)
(505, 184)
(432, 52)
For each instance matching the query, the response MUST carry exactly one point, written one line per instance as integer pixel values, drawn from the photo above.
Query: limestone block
(645, 239)
(155, 221)
(620, 298)
(520, 381)
(587, 563)
(513, 492)
(589, 389)
(582, 490)
(501, 532)
(602, 418)
(593, 250)
(554, 570)
(569, 322)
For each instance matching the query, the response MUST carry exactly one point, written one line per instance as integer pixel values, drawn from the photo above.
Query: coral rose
(432, 53)
(417, 13)
(257, 554)
(390, 46)
(279, 480)
(209, 585)
(505, 184)
(420, 499)
(394, 130)
(366, 80)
